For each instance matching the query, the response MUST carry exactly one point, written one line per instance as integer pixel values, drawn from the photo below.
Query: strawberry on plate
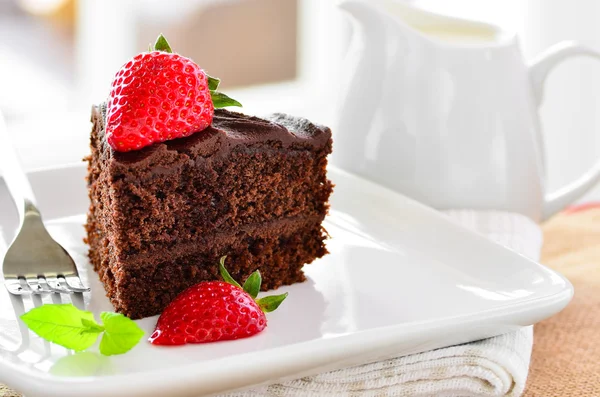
(215, 310)
(159, 95)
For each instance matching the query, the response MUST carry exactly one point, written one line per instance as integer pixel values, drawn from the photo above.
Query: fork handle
(14, 176)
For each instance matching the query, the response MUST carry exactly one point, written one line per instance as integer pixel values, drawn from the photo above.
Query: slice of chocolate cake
(161, 217)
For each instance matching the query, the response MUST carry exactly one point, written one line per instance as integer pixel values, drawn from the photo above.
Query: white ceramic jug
(445, 111)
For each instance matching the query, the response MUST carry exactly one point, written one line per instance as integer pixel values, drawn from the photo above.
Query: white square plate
(400, 279)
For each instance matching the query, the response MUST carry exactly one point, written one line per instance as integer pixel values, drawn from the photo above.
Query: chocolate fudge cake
(160, 218)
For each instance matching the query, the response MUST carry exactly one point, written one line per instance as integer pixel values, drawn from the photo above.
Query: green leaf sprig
(67, 326)
(252, 287)
(219, 99)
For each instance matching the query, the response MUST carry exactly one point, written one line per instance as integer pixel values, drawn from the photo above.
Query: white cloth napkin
(492, 367)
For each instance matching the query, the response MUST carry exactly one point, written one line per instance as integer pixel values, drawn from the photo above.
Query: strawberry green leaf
(121, 334)
(252, 284)
(63, 324)
(213, 83)
(225, 274)
(221, 100)
(271, 303)
(150, 47)
(162, 44)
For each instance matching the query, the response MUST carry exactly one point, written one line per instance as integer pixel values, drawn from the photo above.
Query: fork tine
(35, 286)
(13, 285)
(72, 283)
(19, 308)
(55, 296)
(56, 299)
(55, 285)
(78, 301)
(37, 299)
(44, 284)
(25, 287)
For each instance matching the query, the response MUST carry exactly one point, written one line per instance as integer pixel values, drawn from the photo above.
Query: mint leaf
(121, 334)
(271, 303)
(221, 100)
(91, 326)
(63, 324)
(76, 329)
(225, 274)
(213, 83)
(162, 44)
(252, 284)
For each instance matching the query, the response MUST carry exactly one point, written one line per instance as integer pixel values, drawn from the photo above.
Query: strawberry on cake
(158, 96)
(176, 182)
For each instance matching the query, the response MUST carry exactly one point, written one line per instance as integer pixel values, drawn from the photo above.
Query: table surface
(566, 351)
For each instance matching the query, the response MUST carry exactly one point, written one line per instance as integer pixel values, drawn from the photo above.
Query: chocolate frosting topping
(228, 130)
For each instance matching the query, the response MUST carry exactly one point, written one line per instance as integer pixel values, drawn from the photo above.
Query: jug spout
(369, 29)
(362, 12)
(359, 10)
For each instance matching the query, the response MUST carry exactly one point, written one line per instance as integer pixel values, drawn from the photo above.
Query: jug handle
(538, 71)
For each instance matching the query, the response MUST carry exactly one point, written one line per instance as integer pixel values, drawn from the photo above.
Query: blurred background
(57, 57)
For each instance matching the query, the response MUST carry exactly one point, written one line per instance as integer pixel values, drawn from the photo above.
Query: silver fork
(34, 262)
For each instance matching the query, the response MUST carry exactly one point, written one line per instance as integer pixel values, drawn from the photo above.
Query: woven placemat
(566, 351)
(566, 348)
(6, 392)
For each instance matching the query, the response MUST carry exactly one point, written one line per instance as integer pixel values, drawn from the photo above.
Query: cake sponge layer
(279, 252)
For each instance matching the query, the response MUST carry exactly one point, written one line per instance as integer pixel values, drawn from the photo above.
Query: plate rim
(195, 374)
